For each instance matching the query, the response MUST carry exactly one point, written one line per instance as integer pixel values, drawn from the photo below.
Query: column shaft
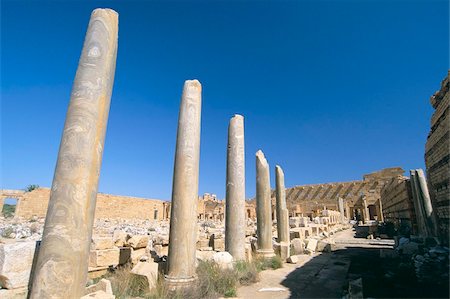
(235, 190)
(62, 262)
(183, 218)
(282, 212)
(263, 206)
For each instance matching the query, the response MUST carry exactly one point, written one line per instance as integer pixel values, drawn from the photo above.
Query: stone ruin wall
(307, 198)
(35, 203)
(437, 154)
(398, 206)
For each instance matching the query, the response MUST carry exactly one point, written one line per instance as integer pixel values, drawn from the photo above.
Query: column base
(265, 253)
(175, 283)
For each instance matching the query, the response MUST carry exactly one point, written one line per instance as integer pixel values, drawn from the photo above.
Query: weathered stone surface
(62, 262)
(282, 211)
(20, 293)
(136, 255)
(103, 285)
(124, 255)
(120, 238)
(312, 245)
(324, 246)
(138, 241)
(101, 243)
(293, 259)
(104, 257)
(15, 263)
(205, 255)
(235, 190)
(297, 246)
(284, 250)
(148, 270)
(183, 220)
(263, 206)
(223, 259)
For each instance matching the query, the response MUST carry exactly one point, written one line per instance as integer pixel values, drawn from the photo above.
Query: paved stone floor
(323, 275)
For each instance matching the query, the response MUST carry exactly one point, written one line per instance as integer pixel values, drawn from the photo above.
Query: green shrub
(268, 263)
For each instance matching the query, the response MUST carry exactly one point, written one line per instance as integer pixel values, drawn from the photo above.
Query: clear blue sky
(330, 90)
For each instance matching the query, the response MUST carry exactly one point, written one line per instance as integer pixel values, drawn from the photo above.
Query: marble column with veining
(62, 262)
(282, 211)
(235, 190)
(418, 206)
(183, 218)
(428, 208)
(263, 207)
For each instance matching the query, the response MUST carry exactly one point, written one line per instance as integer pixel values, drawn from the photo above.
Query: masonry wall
(437, 152)
(398, 207)
(108, 206)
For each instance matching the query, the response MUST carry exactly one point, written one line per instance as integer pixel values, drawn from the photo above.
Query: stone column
(235, 190)
(366, 211)
(428, 208)
(263, 207)
(341, 209)
(282, 214)
(380, 211)
(282, 211)
(418, 207)
(62, 262)
(183, 217)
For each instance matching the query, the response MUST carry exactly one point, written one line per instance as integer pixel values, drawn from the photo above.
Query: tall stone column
(263, 207)
(183, 218)
(418, 207)
(282, 211)
(380, 211)
(428, 208)
(366, 211)
(235, 190)
(62, 262)
(341, 209)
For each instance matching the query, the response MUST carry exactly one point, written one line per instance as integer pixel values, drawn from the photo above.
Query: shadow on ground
(327, 276)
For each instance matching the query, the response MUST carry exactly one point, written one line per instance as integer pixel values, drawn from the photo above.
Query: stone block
(324, 246)
(148, 270)
(99, 243)
(120, 238)
(124, 255)
(138, 241)
(223, 259)
(102, 285)
(312, 245)
(297, 246)
(293, 259)
(16, 260)
(105, 257)
(202, 243)
(204, 255)
(136, 255)
(284, 251)
(219, 244)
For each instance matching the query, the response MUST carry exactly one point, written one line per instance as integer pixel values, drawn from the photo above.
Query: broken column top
(279, 170)
(261, 158)
(237, 116)
(193, 85)
(105, 11)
